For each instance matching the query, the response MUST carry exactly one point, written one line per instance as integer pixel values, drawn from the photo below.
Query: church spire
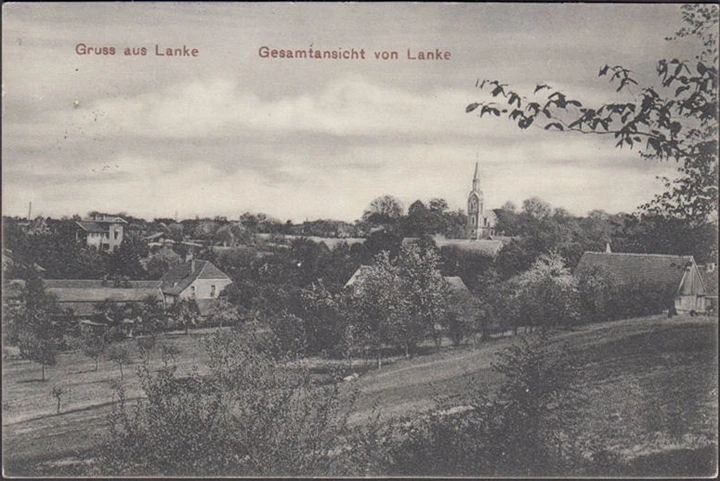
(476, 179)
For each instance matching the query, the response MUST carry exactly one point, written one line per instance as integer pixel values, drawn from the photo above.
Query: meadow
(651, 383)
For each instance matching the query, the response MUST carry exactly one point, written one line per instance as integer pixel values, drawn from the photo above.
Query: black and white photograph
(359, 240)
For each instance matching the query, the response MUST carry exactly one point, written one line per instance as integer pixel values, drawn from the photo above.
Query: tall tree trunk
(121, 372)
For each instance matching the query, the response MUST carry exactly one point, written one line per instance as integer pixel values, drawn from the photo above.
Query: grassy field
(651, 384)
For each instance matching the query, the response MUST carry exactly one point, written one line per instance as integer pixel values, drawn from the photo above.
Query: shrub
(527, 430)
(251, 415)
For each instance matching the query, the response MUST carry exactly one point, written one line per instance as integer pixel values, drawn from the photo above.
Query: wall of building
(205, 288)
(690, 303)
(115, 236)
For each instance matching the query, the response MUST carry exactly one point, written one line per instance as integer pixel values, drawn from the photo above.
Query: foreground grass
(652, 384)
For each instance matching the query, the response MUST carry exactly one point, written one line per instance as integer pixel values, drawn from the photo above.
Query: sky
(228, 131)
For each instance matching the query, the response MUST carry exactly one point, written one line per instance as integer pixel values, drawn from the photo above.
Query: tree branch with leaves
(674, 119)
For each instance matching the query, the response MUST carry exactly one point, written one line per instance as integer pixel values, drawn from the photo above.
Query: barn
(677, 278)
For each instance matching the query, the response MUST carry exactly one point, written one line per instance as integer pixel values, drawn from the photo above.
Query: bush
(251, 415)
(527, 430)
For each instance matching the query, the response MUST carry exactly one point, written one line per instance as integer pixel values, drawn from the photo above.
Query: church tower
(480, 225)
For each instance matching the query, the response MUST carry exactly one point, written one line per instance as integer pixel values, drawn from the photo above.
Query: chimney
(608, 250)
(192, 265)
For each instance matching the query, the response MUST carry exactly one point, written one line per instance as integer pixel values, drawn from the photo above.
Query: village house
(677, 278)
(197, 279)
(102, 231)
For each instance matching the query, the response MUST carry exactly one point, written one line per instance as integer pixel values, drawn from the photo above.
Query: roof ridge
(637, 254)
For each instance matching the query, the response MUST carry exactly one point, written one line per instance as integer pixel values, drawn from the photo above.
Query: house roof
(83, 296)
(156, 235)
(111, 219)
(358, 276)
(99, 294)
(91, 226)
(181, 275)
(97, 283)
(456, 284)
(665, 272)
(486, 247)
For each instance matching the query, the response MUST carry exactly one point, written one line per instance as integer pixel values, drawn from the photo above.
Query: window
(117, 233)
(212, 291)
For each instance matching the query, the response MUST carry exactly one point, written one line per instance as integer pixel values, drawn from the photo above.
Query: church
(481, 222)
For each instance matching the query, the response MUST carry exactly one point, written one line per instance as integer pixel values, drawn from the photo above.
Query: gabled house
(197, 279)
(102, 231)
(676, 278)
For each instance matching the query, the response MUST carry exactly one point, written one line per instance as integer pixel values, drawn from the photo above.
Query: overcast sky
(228, 131)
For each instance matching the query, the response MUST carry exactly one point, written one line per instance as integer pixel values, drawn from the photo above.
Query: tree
(460, 316)
(547, 294)
(120, 356)
(290, 337)
(168, 351)
(533, 417)
(425, 293)
(58, 392)
(222, 313)
(250, 415)
(152, 315)
(92, 344)
(38, 335)
(186, 313)
(377, 305)
(677, 118)
(125, 260)
(536, 208)
(385, 210)
(399, 301)
(527, 429)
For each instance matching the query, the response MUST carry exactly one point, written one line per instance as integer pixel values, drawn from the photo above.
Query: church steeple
(476, 179)
(480, 223)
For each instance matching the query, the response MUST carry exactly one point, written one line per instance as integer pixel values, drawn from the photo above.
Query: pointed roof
(91, 226)
(181, 275)
(358, 276)
(669, 273)
(456, 284)
(476, 179)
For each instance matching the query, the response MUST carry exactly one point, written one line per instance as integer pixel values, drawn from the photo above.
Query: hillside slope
(652, 385)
